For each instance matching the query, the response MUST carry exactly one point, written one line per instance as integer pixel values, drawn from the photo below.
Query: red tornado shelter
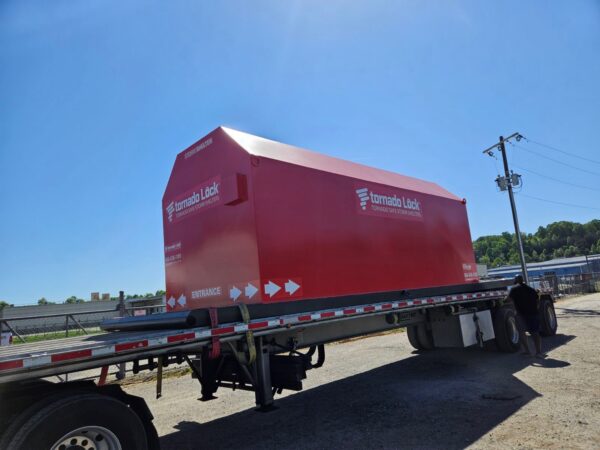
(252, 220)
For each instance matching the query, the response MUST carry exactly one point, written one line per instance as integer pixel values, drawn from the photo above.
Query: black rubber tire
(42, 425)
(419, 337)
(548, 322)
(506, 329)
(413, 337)
(425, 337)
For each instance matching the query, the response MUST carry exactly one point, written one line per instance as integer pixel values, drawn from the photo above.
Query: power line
(556, 160)
(558, 203)
(595, 161)
(557, 179)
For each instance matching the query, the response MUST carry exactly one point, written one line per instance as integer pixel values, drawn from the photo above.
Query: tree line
(556, 240)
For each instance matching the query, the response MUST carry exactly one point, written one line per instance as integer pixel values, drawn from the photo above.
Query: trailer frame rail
(88, 352)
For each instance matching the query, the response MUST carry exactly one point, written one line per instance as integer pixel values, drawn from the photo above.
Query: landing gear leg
(262, 377)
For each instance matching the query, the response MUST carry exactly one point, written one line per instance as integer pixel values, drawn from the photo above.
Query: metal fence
(77, 321)
(568, 284)
(70, 320)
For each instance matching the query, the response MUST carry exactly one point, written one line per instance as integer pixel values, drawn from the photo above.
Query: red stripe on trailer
(386, 306)
(8, 365)
(224, 330)
(131, 346)
(416, 302)
(77, 354)
(430, 300)
(181, 337)
(255, 325)
(349, 311)
(369, 308)
(304, 318)
(327, 314)
(402, 304)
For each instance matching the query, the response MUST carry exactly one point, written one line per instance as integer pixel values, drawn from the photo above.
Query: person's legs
(533, 326)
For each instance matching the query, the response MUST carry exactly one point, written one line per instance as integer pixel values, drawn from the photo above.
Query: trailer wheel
(419, 337)
(77, 422)
(548, 321)
(506, 330)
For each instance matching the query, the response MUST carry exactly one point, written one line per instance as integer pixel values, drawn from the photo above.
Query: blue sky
(96, 99)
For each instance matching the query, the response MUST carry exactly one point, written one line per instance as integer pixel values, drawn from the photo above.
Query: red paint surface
(8, 365)
(130, 346)
(288, 217)
(77, 354)
(181, 337)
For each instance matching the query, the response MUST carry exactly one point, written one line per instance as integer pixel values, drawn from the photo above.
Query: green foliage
(43, 301)
(557, 240)
(4, 304)
(72, 299)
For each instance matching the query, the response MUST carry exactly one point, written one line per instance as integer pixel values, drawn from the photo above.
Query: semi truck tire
(78, 421)
(411, 332)
(548, 322)
(419, 337)
(506, 330)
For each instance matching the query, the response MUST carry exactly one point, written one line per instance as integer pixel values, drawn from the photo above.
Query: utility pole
(506, 183)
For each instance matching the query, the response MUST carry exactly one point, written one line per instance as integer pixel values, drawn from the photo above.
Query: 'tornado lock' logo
(388, 203)
(170, 210)
(363, 197)
(198, 199)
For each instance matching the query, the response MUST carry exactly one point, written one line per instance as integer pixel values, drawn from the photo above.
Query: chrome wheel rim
(550, 316)
(513, 332)
(88, 438)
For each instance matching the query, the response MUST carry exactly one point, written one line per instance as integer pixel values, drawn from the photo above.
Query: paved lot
(378, 393)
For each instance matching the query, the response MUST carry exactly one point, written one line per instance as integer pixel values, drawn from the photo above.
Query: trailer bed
(42, 359)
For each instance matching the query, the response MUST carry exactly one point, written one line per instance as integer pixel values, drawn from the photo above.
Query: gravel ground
(378, 393)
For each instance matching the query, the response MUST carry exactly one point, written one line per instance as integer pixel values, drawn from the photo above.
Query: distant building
(560, 267)
(146, 305)
(482, 270)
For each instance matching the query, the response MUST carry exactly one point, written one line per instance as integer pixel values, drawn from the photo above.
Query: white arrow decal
(171, 302)
(181, 300)
(271, 289)
(250, 290)
(291, 287)
(234, 293)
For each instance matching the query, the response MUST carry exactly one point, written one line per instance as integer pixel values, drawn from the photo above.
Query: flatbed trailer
(271, 252)
(266, 354)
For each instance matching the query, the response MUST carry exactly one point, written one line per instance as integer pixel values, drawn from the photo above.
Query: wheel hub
(88, 438)
(550, 316)
(513, 332)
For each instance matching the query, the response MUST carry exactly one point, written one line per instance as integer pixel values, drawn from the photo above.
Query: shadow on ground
(567, 312)
(441, 399)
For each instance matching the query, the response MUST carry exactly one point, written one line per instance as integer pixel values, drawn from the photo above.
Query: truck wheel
(548, 322)
(83, 422)
(419, 337)
(506, 330)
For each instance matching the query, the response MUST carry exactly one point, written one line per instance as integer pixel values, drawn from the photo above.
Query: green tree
(4, 304)
(43, 301)
(556, 240)
(72, 299)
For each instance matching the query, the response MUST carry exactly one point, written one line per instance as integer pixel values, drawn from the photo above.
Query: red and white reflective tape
(172, 337)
